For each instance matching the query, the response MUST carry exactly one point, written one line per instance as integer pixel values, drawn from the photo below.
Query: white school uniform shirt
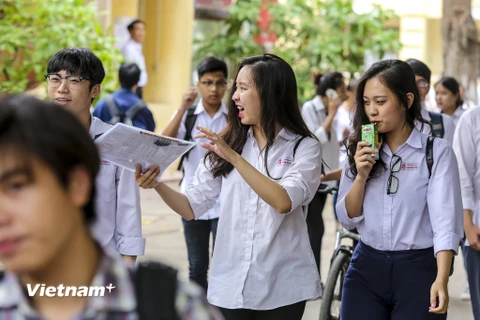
(467, 148)
(423, 213)
(457, 114)
(197, 153)
(132, 51)
(448, 125)
(118, 225)
(262, 259)
(314, 115)
(344, 122)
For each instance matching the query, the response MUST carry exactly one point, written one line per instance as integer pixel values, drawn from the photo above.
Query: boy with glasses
(74, 76)
(210, 112)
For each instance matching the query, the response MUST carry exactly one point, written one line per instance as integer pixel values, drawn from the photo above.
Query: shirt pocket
(105, 183)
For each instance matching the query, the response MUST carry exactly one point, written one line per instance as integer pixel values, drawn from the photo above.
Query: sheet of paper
(128, 146)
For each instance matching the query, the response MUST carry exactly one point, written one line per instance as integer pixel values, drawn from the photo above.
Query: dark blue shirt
(124, 99)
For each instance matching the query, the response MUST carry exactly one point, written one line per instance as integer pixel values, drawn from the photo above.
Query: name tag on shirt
(284, 162)
(409, 166)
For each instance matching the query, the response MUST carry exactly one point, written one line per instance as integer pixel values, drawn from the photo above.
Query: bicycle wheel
(332, 293)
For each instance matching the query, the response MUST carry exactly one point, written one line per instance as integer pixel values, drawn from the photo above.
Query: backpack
(429, 160)
(190, 120)
(123, 117)
(436, 120)
(156, 291)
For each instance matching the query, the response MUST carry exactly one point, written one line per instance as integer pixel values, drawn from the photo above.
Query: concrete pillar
(168, 54)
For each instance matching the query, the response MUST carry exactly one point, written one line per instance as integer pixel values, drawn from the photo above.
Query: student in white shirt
(467, 148)
(320, 116)
(132, 51)
(74, 76)
(447, 96)
(265, 168)
(446, 127)
(410, 221)
(210, 112)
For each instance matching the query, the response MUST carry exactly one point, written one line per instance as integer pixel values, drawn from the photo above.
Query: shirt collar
(318, 103)
(135, 43)
(113, 270)
(284, 133)
(201, 108)
(414, 141)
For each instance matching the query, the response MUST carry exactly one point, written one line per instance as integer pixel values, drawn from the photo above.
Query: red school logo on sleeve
(284, 162)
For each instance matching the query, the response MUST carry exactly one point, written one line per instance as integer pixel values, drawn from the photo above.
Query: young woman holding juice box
(410, 222)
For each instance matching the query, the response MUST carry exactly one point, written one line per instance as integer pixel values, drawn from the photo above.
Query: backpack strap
(296, 146)
(156, 291)
(429, 155)
(112, 106)
(131, 113)
(190, 120)
(436, 119)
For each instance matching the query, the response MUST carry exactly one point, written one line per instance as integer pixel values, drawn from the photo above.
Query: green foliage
(31, 31)
(323, 35)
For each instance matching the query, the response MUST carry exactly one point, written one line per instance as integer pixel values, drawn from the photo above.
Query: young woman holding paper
(264, 167)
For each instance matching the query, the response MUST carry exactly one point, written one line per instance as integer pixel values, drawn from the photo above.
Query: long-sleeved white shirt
(314, 115)
(423, 213)
(118, 223)
(262, 259)
(196, 154)
(466, 144)
(457, 114)
(132, 52)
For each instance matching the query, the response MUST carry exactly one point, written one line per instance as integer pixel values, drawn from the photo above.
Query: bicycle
(332, 292)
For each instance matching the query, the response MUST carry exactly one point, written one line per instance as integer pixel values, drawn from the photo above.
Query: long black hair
(399, 78)
(276, 85)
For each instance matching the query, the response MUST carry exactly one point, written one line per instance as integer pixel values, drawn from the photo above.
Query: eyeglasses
(209, 84)
(393, 183)
(422, 84)
(54, 80)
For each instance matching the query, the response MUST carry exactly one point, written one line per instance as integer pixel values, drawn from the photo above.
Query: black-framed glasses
(219, 84)
(393, 183)
(54, 80)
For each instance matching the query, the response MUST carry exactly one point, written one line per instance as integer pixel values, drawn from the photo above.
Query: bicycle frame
(342, 234)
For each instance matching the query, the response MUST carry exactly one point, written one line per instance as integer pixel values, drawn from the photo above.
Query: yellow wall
(168, 54)
(123, 8)
(419, 28)
(167, 48)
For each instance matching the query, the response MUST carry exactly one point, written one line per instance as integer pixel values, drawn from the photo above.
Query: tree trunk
(460, 45)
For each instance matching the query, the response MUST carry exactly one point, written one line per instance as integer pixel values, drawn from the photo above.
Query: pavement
(165, 241)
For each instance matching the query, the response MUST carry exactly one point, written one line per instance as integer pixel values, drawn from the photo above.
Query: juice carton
(370, 134)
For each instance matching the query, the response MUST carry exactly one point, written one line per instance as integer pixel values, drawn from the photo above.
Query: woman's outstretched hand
(217, 145)
(147, 180)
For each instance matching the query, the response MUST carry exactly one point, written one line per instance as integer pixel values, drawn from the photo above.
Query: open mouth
(240, 110)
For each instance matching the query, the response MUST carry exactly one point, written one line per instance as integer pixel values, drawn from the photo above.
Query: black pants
(197, 237)
(139, 92)
(392, 285)
(315, 225)
(291, 312)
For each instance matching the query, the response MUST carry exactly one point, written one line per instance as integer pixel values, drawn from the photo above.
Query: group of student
(258, 160)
